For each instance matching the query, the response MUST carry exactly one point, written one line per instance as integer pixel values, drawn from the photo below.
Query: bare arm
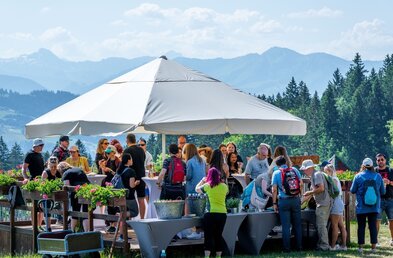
(24, 170)
(161, 176)
(133, 182)
(274, 197)
(200, 185)
(44, 175)
(264, 188)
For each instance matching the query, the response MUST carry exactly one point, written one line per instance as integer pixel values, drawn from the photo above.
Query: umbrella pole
(163, 143)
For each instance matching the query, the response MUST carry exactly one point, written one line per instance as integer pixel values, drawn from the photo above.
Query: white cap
(367, 162)
(38, 142)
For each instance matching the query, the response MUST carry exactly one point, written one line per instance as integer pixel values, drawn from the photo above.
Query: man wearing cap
(34, 161)
(138, 164)
(323, 200)
(387, 199)
(257, 165)
(61, 151)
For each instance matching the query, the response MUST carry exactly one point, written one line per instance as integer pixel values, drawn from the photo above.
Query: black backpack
(15, 197)
(290, 181)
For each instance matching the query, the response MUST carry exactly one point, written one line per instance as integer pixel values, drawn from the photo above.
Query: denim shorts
(387, 207)
(338, 206)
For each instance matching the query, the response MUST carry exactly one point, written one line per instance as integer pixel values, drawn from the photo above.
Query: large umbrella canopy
(165, 97)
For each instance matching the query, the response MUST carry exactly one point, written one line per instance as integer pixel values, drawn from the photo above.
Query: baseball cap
(38, 142)
(64, 138)
(367, 162)
(307, 164)
(110, 149)
(324, 163)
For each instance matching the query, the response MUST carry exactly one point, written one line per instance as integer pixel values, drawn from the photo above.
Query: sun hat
(367, 162)
(307, 164)
(38, 142)
(110, 149)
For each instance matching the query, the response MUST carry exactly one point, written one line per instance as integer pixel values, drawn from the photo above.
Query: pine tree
(4, 154)
(291, 95)
(16, 156)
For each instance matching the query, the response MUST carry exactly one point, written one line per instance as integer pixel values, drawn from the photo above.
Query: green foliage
(43, 186)
(232, 203)
(346, 175)
(98, 195)
(6, 180)
(159, 161)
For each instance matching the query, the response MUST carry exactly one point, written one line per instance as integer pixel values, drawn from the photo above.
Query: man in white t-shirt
(149, 157)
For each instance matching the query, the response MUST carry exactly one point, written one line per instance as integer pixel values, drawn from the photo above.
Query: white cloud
(362, 37)
(45, 9)
(21, 36)
(312, 13)
(266, 26)
(55, 34)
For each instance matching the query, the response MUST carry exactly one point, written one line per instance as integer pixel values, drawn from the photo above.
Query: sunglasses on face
(52, 160)
(142, 144)
(73, 151)
(378, 160)
(105, 143)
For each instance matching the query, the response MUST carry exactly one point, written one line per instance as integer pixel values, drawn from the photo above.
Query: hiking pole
(114, 240)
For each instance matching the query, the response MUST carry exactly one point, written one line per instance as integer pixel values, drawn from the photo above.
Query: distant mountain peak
(43, 53)
(280, 51)
(173, 54)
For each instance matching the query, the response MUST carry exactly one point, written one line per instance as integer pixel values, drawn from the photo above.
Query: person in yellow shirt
(76, 160)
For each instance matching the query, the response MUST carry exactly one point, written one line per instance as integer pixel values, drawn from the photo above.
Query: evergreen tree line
(14, 157)
(350, 119)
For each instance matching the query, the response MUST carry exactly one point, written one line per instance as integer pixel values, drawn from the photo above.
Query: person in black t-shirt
(128, 177)
(73, 177)
(387, 199)
(34, 161)
(138, 164)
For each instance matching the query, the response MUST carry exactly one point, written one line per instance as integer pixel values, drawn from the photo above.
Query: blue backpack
(117, 181)
(370, 196)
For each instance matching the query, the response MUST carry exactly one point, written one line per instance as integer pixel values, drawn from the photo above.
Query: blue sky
(92, 30)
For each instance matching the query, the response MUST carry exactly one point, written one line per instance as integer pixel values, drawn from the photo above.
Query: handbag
(172, 192)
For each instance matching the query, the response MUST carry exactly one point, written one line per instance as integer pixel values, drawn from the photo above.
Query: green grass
(384, 251)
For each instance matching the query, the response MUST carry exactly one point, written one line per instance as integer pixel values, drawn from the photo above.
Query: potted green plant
(95, 195)
(346, 178)
(233, 204)
(5, 183)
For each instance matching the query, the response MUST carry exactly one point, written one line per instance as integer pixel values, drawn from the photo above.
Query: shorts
(387, 207)
(76, 206)
(132, 208)
(140, 189)
(337, 207)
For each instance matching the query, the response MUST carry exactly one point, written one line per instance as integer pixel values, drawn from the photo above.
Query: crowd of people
(271, 182)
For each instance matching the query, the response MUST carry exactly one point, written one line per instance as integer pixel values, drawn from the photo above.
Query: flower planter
(114, 201)
(36, 196)
(4, 189)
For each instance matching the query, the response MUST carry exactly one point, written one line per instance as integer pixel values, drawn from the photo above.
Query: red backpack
(290, 181)
(176, 171)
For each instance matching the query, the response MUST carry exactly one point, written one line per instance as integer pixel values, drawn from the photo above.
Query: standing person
(258, 164)
(287, 186)
(181, 141)
(172, 176)
(231, 148)
(76, 160)
(119, 148)
(100, 153)
(322, 199)
(387, 199)
(73, 177)
(337, 212)
(279, 151)
(61, 151)
(149, 157)
(368, 187)
(214, 220)
(217, 162)
(128, 177)
(34, 161)
(138, 164)
(223, 149)
(235, 188)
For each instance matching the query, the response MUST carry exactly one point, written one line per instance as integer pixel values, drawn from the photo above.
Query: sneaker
(391, 242)
(360, 251)
(343, 248)
(122, 239)
(378, 245)
(374, 250)
(111, 230)
(41, 229)
(194, 236)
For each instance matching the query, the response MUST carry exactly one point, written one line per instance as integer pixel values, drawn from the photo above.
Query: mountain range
(267, 73)
(42, 81)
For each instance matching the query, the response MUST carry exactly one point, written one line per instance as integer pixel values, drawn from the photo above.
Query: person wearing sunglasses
(100, 153)
(76, 160)
(149, 157)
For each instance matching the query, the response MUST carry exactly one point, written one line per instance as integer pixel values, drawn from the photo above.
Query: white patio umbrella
(165, 97)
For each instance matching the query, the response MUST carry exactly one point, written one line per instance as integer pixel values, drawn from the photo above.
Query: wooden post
(90, 218)
(65, 214)
(35, 229)
(123, 214)
(12, 231)
(347, 216)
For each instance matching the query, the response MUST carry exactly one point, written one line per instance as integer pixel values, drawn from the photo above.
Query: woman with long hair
(278, 151)
(100, 153)
(128, 177)
(217, 162)
(235, 188)
(337, 212)
(231, 148)
(214, 220)
(195, 167)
